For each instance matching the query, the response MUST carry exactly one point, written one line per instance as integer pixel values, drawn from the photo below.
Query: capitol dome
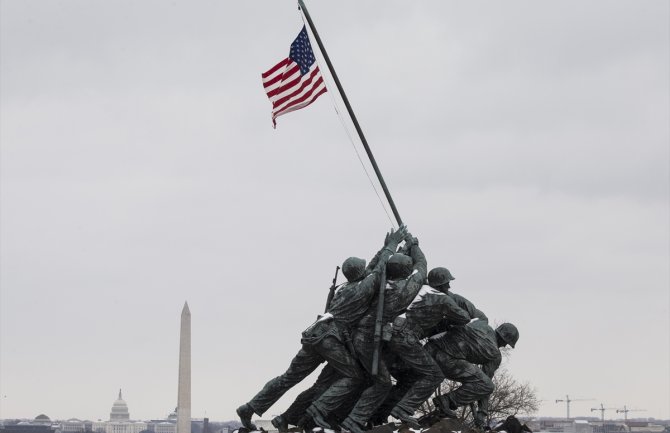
(42, 419)
(119, 410)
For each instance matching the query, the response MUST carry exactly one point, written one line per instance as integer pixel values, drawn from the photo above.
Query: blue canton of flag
(301, 52)
(296, 81)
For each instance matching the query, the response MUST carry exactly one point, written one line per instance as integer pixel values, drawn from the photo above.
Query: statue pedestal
(442, 426)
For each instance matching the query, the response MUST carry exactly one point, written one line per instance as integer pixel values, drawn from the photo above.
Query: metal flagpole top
(350, 110)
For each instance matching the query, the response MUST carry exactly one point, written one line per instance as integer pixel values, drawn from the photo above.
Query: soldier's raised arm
(391, 242)
(419, 269)
(418, 258)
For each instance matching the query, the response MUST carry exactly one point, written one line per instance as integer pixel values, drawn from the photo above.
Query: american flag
(296, 81)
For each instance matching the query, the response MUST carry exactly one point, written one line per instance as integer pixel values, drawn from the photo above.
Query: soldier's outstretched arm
(454, 314)
(390, 244)
(418, 258)
(416, 280)
(370, 283)
(479, 314)
(468, 306)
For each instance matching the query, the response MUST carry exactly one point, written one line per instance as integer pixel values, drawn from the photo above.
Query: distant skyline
(592, 416)
(526, 145)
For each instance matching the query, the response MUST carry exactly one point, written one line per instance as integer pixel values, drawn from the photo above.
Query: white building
(644, 426)
(73, 425)
(119, 420)
(119, 410)
(125, 427)
(582, 426)
(165, 427)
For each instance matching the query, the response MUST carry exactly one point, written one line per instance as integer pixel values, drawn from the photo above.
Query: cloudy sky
(525, 143)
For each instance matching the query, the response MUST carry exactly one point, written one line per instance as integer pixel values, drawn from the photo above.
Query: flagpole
(350, 111)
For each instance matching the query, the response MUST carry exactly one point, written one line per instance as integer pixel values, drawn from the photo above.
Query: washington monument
(184, 391)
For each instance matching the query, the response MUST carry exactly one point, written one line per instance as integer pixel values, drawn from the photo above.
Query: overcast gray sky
(525, 143)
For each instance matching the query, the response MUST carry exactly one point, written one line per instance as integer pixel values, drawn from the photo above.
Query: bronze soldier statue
(325, 340)
(405, 274)
(429, 309)
(458, 352)
(432, 312)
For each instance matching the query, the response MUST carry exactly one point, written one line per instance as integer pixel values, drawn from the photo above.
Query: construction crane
(567, 402)
(602, 410)
(625, 411)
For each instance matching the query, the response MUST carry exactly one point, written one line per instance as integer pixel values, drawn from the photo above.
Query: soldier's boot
(352, 426)
(479, 419)
(306, 423)
(378, 420)
(280, 423)
(430, 418)
(444, 404)
(405, 417)
(245, 412)
(318, 418)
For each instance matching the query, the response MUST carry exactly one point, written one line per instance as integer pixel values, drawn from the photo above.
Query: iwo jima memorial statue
(393, 332)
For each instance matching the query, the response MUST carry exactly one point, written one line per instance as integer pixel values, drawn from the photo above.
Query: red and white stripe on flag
(289, 89)
(296, 81)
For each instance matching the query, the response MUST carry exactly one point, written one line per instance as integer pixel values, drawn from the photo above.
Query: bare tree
(510, 397)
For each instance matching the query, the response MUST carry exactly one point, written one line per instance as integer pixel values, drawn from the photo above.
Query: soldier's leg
(407, 346)
(373, 396)
(404, 378)
(304, 363)
(296, 411)
(350, 402)
(399, 390)
(351, 376)
(475, 385)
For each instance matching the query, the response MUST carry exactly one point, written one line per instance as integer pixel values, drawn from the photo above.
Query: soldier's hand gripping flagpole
(382, 286)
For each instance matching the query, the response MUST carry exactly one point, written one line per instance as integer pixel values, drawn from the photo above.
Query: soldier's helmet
(398, 266)
(439, 276)
(353, 268)
(508, 333)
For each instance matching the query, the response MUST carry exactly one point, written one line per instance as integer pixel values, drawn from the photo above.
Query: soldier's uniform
(295, 414)
(439, 315)
(429, 309)
(296, 411)
(326, 340)
(468, 306)
(458, 352)
(350, 303)
(397, 296)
